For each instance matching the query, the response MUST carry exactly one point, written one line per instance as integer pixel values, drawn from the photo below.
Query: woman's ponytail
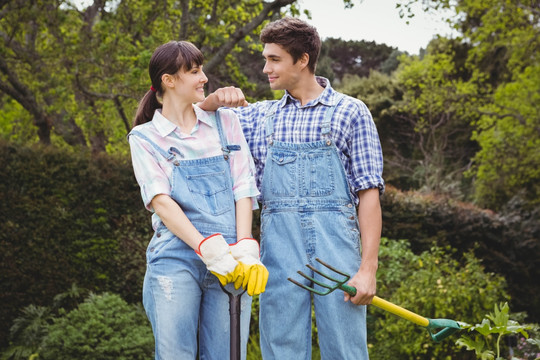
(147, 106)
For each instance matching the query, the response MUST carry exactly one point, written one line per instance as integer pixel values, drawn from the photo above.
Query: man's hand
(228, 96)
(365, 283)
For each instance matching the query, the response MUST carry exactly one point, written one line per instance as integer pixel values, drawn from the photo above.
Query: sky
(374, 20)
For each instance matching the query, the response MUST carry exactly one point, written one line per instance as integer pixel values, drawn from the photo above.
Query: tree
(510, 125)
(438, 107)
(503, 60)
(354, 57)
(80, 72)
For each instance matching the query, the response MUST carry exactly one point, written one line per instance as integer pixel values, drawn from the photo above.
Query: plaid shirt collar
(325, 98)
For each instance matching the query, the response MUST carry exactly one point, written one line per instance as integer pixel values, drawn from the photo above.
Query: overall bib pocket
(283, 170)
(318, 174)
(210, 192)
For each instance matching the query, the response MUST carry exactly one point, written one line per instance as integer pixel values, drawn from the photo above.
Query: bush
(103, 327)
(78, 218)
(433, 285)
(508, 244)
(67, 218)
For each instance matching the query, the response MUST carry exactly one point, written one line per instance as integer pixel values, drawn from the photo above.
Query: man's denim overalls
(179, 295)
(308, 212)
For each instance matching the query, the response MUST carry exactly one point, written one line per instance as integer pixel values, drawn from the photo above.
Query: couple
(314, 154)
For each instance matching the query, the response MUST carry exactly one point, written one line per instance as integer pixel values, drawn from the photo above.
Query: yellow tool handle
(399, 311)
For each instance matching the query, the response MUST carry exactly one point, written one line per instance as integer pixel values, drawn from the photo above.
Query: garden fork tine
(339, 283)
(448, 326)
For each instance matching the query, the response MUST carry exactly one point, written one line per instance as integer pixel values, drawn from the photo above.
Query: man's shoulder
(258, 108)
(350, 104)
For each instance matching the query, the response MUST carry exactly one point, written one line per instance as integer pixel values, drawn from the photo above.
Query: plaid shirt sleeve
(363, 155)
(242, 166)
(249, 117)
(151, 177)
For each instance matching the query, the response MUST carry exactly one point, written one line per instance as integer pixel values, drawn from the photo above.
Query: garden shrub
(508, 243)
(78, 218)
(67, 218)
(103, 327)
(432, 284)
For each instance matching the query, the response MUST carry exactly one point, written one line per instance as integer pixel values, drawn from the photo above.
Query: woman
(196, 175)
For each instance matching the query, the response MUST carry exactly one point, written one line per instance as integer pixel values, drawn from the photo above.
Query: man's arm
(370, 219)
(228, 96)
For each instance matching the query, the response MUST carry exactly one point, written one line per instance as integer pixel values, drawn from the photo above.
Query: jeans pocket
(350, 226)
(211, 192)
(162, 237)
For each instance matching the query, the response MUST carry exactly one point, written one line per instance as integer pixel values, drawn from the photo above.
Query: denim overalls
(180, 295)
(308, 212)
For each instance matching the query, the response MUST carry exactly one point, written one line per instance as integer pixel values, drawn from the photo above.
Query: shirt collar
(325, 98)
(165, 127)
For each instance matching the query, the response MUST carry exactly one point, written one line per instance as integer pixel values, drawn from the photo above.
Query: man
(319, 169)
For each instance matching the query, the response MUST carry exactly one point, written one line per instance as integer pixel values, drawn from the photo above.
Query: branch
(20, 93)
(184, 20)
(515, 115)
(114, 97)
(243, 31)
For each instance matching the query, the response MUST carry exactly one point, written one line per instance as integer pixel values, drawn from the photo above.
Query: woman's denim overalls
(308, 212)
(179, 295)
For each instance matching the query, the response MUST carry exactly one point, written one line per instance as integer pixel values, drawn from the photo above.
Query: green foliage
(432, 284)
(27, 332)
(103, 327)
(103, 50)
(507, 245)
(502, 60)
(354, 57)
(435, 113)
(498, 324)
(510, 126)
(67, 218)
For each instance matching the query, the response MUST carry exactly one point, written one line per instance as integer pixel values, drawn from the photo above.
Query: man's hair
(296, 37)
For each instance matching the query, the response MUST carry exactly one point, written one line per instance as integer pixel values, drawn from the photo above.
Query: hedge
(78, 218)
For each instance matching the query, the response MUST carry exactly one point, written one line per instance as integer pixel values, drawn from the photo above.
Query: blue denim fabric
(183, 301)
(308, 212)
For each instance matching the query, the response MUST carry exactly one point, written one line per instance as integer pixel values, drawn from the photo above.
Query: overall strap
(269, 118)
(225, 147)
(170, 155)
(326, 124)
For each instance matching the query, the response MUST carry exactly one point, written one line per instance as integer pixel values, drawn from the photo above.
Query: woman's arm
(176, 220)
(244, 218)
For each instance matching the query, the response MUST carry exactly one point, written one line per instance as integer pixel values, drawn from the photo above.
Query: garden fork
(448, 326)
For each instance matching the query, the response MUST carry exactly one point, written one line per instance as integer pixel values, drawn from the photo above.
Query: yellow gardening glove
(246, 252)
(216, 255)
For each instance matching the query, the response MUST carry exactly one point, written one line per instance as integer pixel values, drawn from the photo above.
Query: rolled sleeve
(366, 152)
(242, 165)
(150, 176)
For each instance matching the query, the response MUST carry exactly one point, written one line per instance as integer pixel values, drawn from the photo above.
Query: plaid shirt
(352, 129)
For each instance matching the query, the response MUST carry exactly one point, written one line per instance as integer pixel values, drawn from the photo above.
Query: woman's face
(190, 84)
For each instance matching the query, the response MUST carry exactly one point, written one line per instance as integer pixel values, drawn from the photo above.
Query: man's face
(282, 72)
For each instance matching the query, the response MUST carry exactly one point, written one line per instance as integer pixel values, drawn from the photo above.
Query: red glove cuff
(198, 251)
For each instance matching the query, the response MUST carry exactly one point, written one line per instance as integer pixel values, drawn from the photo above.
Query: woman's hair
(168, 58)
(296, 37)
